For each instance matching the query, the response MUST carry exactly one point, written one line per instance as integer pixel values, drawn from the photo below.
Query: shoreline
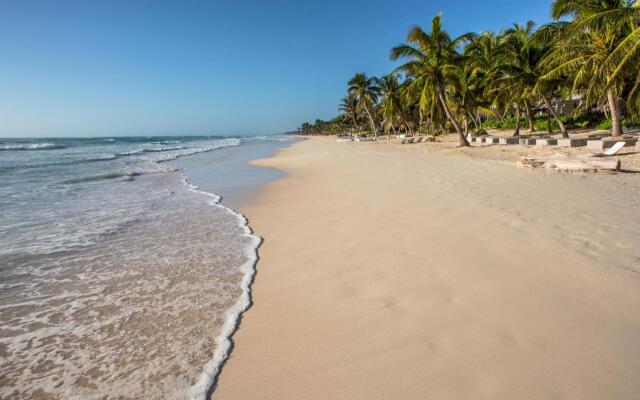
(439, 283)
(241, 192)
(206, 383)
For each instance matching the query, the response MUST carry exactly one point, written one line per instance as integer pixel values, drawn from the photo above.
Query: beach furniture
(364, 139)
(611, 151)
(572, 142)
(508, 140)
(606, 143)
(546, 142)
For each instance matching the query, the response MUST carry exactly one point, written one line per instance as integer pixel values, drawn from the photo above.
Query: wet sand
(402, 272)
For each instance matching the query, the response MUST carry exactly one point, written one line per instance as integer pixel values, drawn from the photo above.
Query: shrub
(604, 125)
(542, 124)
(631, 122)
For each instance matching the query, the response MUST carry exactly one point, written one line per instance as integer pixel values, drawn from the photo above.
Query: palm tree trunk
(517, 131)
(555, 115)
(373, 124)
(614, 107)
(463, 139)
(466, 125)
(475, 122)
(527, 108)
(409, 129)
(355, 122)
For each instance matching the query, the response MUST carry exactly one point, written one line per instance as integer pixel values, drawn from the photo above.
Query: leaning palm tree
(589, 47)
(367, 91)
(627, 55)
(432, 59)
(349, 107)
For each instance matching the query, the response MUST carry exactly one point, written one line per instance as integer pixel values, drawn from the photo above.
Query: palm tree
(349, 107)
(367, 90)
(590, 48)
(521, 63)
(391, 103)
(482, 57)
(627, 54)
(433, 57)
(411, 118)
(466, 93)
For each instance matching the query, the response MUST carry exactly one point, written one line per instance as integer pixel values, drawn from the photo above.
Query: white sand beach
(402, 272)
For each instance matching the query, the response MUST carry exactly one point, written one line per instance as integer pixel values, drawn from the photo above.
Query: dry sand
(400, 272)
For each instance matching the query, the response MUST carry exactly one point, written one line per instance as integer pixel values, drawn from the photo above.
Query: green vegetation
(588, 59)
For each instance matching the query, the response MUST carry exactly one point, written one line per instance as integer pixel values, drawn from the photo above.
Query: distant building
(567, 107)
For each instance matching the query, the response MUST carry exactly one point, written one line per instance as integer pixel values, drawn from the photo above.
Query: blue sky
(135, 67)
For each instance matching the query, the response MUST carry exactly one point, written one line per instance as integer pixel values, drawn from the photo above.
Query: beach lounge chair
(611, 151)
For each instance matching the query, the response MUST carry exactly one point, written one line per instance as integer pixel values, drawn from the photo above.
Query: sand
(402, 272)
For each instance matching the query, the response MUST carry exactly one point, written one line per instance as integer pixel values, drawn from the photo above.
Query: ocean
(119, 277)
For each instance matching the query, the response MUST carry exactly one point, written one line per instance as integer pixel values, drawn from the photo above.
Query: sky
(134, 67)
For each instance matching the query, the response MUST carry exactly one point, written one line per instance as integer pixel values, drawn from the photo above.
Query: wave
(162, 149)
(103, 177)
(210, 372)
(59, 163)
(169, 157)
(158, 150)
(32, 146)
(130, 153)
(180, 152)
(166, 142)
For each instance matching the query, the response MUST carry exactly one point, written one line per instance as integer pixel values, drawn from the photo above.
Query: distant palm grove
(515, 79)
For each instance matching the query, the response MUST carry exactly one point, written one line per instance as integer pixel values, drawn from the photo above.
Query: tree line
(591, 51)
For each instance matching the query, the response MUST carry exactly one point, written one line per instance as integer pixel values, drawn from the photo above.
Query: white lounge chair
(612, 151)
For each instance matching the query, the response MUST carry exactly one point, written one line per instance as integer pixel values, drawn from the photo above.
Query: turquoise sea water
(118, 277)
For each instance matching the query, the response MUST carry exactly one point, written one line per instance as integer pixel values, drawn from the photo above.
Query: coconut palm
(522, 54)
(432, 59)
(482, 57)
(592, 50)
(466, 92)
(627, 54)
(391, 103)
(349, 107)
(367, 91)
(411, 116)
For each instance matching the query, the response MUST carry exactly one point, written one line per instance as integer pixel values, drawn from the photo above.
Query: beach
(413, 272)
